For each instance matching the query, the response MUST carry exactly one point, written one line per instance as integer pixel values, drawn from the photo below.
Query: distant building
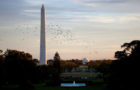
(85, 60)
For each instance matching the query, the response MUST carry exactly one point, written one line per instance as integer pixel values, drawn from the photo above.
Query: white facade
(43, 37)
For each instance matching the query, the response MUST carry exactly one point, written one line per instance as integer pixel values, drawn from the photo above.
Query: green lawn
(80, 74)
(40, 87)
(76, 88)
(84, 74)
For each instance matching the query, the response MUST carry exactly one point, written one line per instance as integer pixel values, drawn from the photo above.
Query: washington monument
(43, 37)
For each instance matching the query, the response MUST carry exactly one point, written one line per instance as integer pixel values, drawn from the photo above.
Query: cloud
(123, 6)
(11, 11)
(111, 19)
(129, 18)
(102, 1)
(32, 11)
(101, 19)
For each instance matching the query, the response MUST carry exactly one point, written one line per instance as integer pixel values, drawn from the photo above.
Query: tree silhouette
(57, 61)
(124, 70)
(20, 68)
(120, 55)
(2, 68)
(57, 71)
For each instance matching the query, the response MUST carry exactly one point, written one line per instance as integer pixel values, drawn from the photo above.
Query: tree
(63, 65)
(2, 68)
(124, 70)
(104, 66)
(56, 65)
(45, 72)
(120, 55)
(1, 56)
(57, 61)
(77, 62)
(131, 49)
(70, 65)
(20, 67)
(94, 64)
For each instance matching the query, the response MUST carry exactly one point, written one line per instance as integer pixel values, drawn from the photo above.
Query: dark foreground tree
(20, 68)
(125, 70)
(57, 61)
(56, 65)
(2, 69)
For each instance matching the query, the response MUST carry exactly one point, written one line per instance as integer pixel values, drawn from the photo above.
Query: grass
(97, 81)
(81, 67)
(41, 87)
(9, 87)
(78, 88)
(80, 74)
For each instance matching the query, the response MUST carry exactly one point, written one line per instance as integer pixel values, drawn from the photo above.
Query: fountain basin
(73, 85)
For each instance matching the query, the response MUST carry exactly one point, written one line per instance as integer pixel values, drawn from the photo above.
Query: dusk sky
(94, 29)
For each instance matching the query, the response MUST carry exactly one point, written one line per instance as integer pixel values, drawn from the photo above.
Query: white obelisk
(43, 37)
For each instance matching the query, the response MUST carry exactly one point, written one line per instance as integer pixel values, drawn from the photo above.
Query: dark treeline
(67, 65)
(100, 65)
(17, 67)
(124, 72)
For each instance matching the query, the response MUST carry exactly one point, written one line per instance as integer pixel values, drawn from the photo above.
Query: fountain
(73, 84)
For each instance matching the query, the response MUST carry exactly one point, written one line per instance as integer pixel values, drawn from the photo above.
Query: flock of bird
(57, 34)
